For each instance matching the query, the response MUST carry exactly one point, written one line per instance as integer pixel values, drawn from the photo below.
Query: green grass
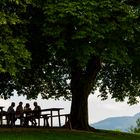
(62, 134)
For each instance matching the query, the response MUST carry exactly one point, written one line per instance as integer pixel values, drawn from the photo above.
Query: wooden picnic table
(44, 114)
(58, 115)
(51, 111)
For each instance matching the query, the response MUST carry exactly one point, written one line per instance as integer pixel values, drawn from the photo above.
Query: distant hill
(122, 123)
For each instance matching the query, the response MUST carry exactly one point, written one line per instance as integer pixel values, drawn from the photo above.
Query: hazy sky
(98, 110)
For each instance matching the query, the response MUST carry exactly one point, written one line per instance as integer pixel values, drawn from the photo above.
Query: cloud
(99, 110)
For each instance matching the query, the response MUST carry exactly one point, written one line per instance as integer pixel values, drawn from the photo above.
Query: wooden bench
(45, 120)
(3, 116)
(7, 117)
(67, 119)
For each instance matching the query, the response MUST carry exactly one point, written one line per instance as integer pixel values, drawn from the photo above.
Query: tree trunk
(81, 86)
(79, 109)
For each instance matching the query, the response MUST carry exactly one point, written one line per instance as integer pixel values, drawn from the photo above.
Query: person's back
(27, 110)
(11, 108)
(11, 114)
(19, 110)
(37, 109)
(19, 113)
(29, 116)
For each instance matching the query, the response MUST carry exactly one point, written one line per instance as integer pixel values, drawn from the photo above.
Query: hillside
(122, 123)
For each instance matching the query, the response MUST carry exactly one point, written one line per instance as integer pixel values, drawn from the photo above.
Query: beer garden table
(44, 113)
(51, 111)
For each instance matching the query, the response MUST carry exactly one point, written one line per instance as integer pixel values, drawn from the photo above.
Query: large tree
(77, 46)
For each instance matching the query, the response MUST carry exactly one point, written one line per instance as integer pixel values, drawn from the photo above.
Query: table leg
(51, 120)
(1, 117)
(59, 119)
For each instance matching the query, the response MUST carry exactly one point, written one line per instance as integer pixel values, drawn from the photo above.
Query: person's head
(27, 105)
(35, 103)
(12, 104)
(20, 103)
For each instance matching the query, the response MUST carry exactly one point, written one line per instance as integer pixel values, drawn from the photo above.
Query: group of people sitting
(25, 114)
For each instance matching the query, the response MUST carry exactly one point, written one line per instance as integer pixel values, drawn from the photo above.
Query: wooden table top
(1, 107)
(52, 109)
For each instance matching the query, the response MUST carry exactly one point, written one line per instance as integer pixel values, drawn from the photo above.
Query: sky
(98, 110)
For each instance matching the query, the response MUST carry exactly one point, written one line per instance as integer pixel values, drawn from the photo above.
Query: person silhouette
(11, 115)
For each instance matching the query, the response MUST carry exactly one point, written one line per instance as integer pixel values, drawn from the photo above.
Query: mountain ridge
(122, 123)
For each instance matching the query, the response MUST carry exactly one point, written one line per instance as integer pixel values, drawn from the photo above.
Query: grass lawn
(62, 134)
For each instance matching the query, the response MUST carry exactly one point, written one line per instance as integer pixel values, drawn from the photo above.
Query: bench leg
(1, 120)
(67, 120)
(46, 123)
(38, 121)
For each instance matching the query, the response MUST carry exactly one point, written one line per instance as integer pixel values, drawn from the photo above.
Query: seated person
(29, 115)
(19, 112)
(37, 112)
(11, 115)
(37, 109)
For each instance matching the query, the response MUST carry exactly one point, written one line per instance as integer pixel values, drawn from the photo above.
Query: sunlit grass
(62, 134)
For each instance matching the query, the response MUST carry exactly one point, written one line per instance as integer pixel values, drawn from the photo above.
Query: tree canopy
(75, 47)
(13, 53)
